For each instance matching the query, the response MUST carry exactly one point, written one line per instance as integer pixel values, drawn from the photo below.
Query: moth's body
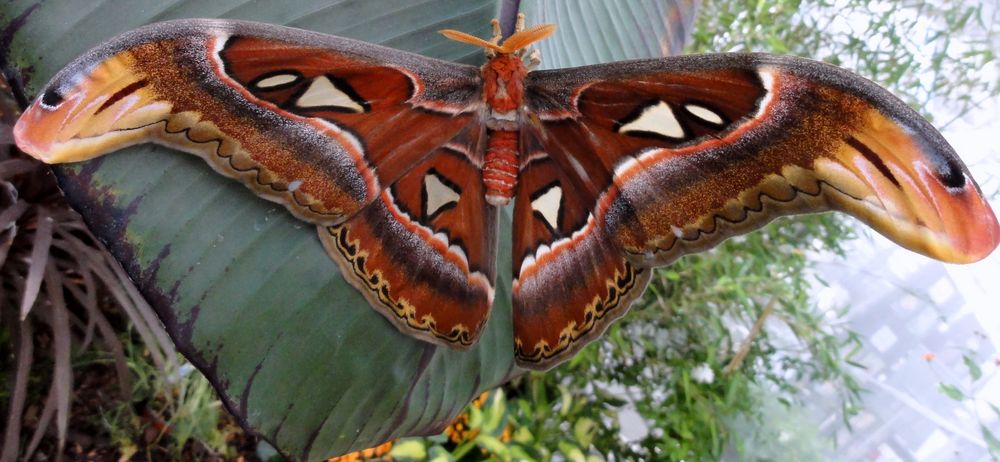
(503, 93)
(401, 162)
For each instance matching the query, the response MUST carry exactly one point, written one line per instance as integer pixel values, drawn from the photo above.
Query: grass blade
(8, 227)
(48, 411)
(111, 341)
(103, 268)
(23, 355)
(62, 374)
(39, 258)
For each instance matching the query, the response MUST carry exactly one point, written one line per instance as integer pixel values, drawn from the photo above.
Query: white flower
(703, 373)
(661, 339)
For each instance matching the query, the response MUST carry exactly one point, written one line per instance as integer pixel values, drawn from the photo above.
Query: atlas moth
(403, 162)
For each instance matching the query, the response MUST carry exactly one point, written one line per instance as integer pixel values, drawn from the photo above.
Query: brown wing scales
(307, 120)
(624, 166)
(347, 135)
(424, 253)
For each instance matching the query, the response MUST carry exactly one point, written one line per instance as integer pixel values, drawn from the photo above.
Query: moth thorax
(501, 166)
(503, 82)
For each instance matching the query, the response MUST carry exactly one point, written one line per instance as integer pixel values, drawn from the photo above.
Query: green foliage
(177, 413)
(964, 393)
(929, 52)
(483, 430)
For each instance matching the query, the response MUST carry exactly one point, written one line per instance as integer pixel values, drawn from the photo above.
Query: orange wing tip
(968, 240)
(976, 235)
(32, 136)
(38, 134)
(29, 143)
(891, 179)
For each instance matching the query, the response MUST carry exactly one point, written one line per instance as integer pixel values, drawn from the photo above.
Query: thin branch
(741, 354)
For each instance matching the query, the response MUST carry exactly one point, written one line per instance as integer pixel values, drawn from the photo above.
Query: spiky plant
(57, 286)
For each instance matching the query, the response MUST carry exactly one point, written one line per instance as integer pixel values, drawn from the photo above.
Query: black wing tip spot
(52, 97)
(953, 176)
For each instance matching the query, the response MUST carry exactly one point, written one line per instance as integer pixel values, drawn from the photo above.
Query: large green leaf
(600, 31)
(245, 290)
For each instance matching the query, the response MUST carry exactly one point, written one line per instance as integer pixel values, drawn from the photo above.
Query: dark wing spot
(953, 177)
(873, 158)
(128, 90)
(52, 98)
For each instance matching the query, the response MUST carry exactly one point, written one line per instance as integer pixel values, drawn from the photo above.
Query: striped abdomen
(500, 166)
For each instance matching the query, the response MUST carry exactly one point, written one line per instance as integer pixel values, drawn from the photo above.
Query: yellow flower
(378, 452)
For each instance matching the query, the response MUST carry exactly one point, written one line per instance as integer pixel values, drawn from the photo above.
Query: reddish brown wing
(570, 280)
(424, 253)
(318, 123)
(672, 156)
(379, 147)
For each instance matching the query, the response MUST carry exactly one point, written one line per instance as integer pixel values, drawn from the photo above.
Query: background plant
(55, 281)
(940, 56)
(962, 393)
(83, 353)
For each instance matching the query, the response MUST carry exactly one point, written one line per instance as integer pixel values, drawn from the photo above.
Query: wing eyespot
(52, 98)
(953, 177)
(438, 194)
(546, 204)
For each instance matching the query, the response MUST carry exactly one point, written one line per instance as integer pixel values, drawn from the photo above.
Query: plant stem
(741, 354)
